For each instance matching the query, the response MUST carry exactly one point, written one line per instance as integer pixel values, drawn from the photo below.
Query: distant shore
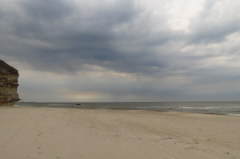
(63, 133)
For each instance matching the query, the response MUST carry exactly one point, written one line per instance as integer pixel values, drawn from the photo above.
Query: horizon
(123, 50)
(128, 102)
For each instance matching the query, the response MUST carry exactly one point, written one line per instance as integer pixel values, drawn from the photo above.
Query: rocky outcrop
(8, 84)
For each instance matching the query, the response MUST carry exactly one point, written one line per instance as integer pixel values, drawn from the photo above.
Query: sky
(123, 50)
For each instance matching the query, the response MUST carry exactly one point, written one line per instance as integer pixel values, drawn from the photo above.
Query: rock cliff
(8, 84)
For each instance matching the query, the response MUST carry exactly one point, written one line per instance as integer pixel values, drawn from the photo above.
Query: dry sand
(67, 133)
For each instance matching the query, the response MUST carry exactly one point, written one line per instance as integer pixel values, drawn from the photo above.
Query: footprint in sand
(39, 150)
(167, 138)
(189, 148)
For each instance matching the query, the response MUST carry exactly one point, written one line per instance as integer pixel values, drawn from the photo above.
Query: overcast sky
(123, 50)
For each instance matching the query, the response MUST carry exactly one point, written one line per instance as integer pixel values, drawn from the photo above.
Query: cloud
(59, 36)
(50, 11)
(122, 49)
(216, 21)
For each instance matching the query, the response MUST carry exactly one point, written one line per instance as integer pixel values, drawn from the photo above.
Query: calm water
(227, 108)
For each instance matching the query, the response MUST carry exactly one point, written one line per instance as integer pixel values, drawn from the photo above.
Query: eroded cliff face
(8, 84)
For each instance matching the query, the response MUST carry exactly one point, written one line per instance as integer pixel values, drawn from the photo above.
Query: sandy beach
(68, 133)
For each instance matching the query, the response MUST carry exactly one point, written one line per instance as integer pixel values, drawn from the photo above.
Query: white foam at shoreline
(233, 114)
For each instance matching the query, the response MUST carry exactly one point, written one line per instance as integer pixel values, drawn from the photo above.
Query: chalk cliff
(8, 84)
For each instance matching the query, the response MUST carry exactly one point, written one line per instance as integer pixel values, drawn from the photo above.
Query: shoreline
(46, 133)
(228, 108)
(236, 115)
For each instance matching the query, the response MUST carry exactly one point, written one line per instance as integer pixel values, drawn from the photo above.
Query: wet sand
(68, 133)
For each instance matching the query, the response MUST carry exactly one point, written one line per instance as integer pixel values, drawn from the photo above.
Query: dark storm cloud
(49, 11)
(56, 30)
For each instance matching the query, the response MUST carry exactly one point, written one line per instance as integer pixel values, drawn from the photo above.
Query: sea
(222, 108)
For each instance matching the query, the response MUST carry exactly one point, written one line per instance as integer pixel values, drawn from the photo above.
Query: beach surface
(69, 133)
